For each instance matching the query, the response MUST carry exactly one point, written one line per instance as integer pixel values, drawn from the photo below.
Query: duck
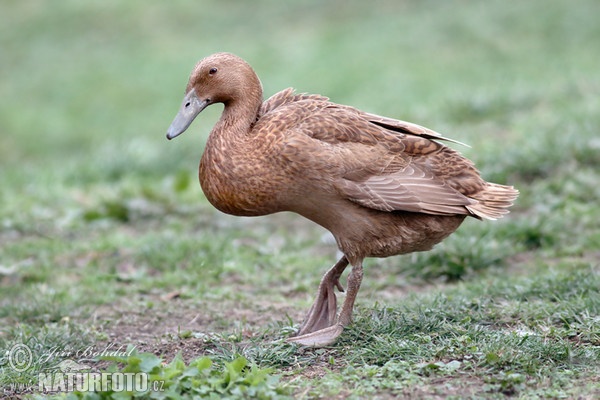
(381, 186)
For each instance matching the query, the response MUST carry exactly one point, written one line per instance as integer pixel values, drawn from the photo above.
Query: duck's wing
(412, 188)
(407, 127)
(381, 168)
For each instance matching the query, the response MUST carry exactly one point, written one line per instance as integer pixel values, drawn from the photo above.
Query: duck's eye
(212, 71)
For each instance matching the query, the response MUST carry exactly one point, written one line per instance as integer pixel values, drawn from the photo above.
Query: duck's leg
(321, 327)
(323, 311)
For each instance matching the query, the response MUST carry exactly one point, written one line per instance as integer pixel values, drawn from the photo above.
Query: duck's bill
(190, 108)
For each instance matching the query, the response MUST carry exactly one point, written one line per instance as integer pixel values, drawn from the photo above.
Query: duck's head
(219, 78)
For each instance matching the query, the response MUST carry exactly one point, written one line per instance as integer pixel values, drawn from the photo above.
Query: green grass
(107, 240)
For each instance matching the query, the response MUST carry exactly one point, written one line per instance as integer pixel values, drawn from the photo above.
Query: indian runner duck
(381, 186)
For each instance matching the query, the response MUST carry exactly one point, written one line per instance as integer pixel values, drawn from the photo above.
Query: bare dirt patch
(183, 325)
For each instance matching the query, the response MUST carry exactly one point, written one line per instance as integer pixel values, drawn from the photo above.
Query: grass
(106, 240)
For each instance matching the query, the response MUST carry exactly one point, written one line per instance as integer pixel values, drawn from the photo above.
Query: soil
(174, 325)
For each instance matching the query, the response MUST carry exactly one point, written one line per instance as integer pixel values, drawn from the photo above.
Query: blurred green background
(98, 82)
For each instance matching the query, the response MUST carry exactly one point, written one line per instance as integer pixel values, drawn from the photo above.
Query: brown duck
(381, 186)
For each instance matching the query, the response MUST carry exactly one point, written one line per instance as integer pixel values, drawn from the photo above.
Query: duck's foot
(321, 327)
(323, 312)
(321, 338)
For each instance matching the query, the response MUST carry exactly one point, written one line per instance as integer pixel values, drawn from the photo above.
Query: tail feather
(493, 202)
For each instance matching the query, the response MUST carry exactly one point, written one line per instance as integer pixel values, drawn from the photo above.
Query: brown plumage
(381, 186)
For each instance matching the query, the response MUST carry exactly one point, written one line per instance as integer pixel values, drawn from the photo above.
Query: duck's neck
(239, 114)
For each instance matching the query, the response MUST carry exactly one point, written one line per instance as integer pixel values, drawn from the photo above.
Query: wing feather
(408, 127)
(412, 189)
